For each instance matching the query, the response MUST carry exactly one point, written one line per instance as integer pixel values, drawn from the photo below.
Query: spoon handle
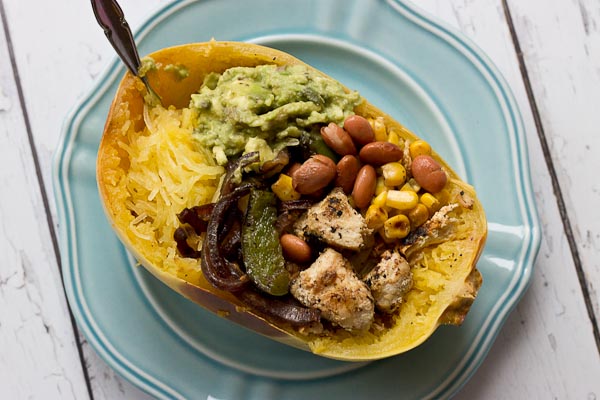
(110, 17)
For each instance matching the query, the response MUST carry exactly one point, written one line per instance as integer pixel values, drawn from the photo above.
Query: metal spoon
(112, 20)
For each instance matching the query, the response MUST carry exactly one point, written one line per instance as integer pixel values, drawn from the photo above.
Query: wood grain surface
(39, 356)
(547, 51)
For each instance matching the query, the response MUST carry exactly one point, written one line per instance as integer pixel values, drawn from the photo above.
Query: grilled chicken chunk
(435, 230)
(334, 222)
(389, 281)
(331, 286)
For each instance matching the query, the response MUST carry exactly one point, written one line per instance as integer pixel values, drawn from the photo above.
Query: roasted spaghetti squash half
(272, 195)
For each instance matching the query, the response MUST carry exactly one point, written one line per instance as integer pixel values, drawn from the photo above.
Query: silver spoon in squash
(151, 166)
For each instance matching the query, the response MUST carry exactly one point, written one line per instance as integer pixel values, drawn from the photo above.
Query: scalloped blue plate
(416, 69)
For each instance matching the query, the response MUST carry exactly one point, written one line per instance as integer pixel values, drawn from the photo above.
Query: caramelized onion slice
(220, 272)
(293, 205)
(197, 217)
(289, 212)
(184, 249)
(278, 309)
(229, 182)
(276, 165)
(231, 243)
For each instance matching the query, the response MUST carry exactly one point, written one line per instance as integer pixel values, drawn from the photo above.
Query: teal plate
(422, 73)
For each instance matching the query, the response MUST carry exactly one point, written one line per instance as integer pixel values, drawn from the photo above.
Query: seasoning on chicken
(436, 230)
(334, 222)
(331, 286)
(389, 281)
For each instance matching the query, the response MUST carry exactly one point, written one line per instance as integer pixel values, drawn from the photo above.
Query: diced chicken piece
(389, 281)
(440, 219)
(331, 286)
(334, 222)
(465, 200)
(435, 230)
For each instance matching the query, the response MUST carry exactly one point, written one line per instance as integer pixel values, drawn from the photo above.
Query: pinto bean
(347, 169)
(379, 153)
(292, 168)
(359, 129)
(428, 173)
(314, 174)
(364, 186)
(338, 139)
(295, 249)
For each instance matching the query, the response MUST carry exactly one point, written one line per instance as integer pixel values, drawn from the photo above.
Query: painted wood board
(39, 356)
(561, 48)
(57, 66)
(547, 336)
(544, 349)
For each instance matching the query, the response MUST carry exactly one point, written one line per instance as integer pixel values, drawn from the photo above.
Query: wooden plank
(546, 349)
(543, 350)
(105, 382)
(57, 66)
(39, 356)
(561, 48)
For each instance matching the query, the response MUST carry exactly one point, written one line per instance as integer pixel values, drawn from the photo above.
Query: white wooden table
(548, 51)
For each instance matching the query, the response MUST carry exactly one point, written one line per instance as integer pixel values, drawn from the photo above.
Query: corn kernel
(407, 186)
(418, 215)
(443, 197)
(380, 185)
(430, 202)
(380, 199)
(386, 239)
(375, 216)
(394, 138)
(401, 199)
(394, 174)
(379, 129)
(396, 227)
(283, 188)
(415, 185)
(419, 148)
(394, 211)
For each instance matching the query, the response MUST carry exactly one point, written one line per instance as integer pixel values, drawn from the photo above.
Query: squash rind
(199, 59)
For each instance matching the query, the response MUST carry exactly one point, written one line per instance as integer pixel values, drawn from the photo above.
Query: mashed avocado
(180, 71)
(275, 104)
(147, 64)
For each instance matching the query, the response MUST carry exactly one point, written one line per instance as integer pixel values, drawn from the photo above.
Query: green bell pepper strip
(261, 249)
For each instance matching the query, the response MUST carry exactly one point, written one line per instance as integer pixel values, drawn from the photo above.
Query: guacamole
(274, 105)
(180, 71)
